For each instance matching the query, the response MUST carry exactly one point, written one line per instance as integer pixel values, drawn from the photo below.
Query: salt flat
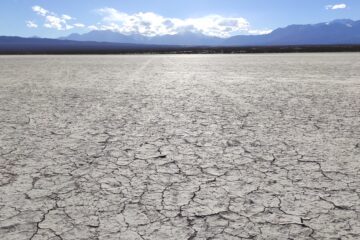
(180, 147)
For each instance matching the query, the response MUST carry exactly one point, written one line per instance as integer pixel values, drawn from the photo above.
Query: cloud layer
(149, 24)
(336, 6)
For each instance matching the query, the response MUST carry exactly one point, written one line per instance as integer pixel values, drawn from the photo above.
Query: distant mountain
(101, 36)
(44, 45)
(343, 31)
(186, 38)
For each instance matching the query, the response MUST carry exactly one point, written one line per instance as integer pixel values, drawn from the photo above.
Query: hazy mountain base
(16, 45)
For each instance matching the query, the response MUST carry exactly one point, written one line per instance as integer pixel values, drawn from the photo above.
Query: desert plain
(263, 146)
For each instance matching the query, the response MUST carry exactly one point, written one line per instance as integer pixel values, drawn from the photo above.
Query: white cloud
(336, 6)
(39, 10)
(31, 24)
(93, 27)
(66, 17)
(152, 24)
(79, 25)
(52, 20)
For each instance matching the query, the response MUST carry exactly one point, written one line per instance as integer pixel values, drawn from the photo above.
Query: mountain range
(343, 31)
(338, 35)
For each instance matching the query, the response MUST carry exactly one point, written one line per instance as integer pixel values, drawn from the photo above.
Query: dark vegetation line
(178, 50)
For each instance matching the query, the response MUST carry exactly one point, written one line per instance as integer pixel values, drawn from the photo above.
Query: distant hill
(335, 32)
(44, 45)
(101, 36)
(343, 31)
(186, 38)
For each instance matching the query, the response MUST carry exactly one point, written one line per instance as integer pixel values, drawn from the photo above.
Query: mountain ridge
(339, 31)
(337, 35)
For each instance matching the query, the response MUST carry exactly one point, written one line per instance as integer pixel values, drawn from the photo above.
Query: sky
(220, 18)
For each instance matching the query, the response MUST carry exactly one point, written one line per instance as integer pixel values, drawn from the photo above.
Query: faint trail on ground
(137, 74)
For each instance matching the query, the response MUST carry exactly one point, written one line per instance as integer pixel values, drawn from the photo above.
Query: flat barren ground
(180, 147)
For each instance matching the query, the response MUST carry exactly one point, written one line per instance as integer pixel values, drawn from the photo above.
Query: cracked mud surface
(180, 147)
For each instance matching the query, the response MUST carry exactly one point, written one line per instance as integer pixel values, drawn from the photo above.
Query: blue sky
(54, 18)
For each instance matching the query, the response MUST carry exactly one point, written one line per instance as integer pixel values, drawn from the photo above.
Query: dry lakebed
(187, 147)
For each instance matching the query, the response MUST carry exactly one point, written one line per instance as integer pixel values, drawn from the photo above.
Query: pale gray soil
(180, 147)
